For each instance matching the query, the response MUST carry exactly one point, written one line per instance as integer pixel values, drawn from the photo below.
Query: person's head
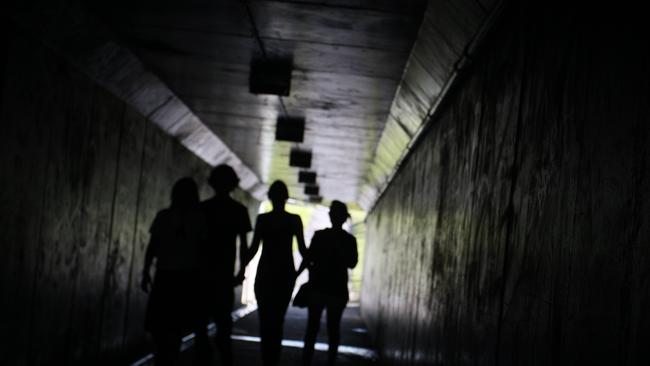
(338, 213)
(185, 194)
(223, 179)
(278, 194)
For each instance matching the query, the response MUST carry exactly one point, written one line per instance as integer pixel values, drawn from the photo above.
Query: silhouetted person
(227, 220)
(276, 273)
(176, 235)
(331, 253)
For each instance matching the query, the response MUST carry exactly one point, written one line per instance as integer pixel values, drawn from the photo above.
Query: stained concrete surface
(448, 30)
(517, 231)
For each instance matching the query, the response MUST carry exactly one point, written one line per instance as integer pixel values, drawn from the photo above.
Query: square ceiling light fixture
(315, 199)
(312, 190)
(290, 129)
(306, 177)
(270, 76)
(300, 158)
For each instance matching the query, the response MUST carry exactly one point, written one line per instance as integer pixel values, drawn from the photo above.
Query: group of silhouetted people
(194, 245)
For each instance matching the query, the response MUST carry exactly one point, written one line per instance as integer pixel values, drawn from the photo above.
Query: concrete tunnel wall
(83, 176)
(517, 231)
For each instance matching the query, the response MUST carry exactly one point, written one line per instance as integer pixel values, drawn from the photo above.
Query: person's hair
(278, 191)
(185, 194)
(223, 178)
(340, 209)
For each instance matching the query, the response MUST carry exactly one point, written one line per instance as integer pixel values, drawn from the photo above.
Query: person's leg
(223, 319)
(167, 347)
(313, 324)
(272, 311)
(263, 316)
(203, 352)
(269, 333)
(160, 357)
(205, 303)
(274, 332)
(281, 306)
(176, 339)
(334, 314)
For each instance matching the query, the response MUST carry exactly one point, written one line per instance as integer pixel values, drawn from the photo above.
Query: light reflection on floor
(188, 341)
(346, 350)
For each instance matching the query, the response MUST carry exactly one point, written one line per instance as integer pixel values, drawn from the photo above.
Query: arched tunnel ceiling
(367, 76)
(348, 59)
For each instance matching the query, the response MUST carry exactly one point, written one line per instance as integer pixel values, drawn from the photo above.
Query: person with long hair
(176, 235)
(276, 272)
(331, 253)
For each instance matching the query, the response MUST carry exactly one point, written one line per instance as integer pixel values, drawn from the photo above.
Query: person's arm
(243, 255)
(244, 228)
(307, 257)
(255, 244)
(304, 264)
(302, 248)
(151, 252)
(354, 255)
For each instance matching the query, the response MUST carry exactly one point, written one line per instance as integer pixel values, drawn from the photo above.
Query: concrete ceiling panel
(366, 78)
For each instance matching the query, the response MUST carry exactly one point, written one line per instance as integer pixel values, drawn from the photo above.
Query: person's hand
(303, 266)
(239, 279)
(146, 282)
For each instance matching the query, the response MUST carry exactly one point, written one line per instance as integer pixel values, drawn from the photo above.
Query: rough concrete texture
(74, 31)
(517, 231)
(83, 175)
(448, 30)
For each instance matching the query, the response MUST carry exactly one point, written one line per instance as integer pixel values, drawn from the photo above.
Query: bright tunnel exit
(314, 217)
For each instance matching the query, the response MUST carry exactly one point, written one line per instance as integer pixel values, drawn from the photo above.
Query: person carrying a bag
(331, 253)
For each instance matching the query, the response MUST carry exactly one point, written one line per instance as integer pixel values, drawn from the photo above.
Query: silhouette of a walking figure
(227, 220)
(331, 253)
(176, 234)
(276, 272)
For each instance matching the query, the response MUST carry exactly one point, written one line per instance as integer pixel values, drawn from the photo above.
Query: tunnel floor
(355, 346)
